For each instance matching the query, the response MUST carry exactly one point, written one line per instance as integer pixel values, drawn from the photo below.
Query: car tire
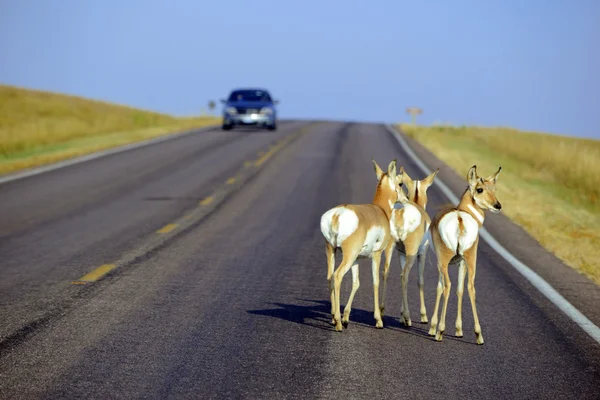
(272, 127)
(226, 127)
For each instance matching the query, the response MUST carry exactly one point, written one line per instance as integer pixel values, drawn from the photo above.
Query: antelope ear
(378, 170)
(494, 177)
(392, 169)
(400, 176)
(406, 178)
(472, 176)
(429, 180)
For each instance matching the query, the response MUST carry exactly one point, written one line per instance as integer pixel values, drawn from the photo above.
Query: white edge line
(99, 154)
(537, 281)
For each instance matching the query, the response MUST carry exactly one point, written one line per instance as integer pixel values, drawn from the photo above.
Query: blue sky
(527, 64)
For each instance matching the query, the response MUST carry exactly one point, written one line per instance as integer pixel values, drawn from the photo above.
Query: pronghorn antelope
(361, 231)
(410, 231)
(455, 236)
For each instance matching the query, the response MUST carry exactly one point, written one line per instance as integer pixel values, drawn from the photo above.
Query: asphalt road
(237, 305)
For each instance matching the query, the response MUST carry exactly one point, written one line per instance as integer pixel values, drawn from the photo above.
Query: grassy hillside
(40, 127)
(549, 184)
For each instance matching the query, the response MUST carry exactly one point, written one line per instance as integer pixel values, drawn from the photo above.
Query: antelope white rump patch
(404, 221)
(452, 237)
(347, 224)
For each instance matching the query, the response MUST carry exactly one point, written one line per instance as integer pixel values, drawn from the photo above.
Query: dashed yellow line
(206, 201)
(167, 228)
(263, 156)
(95, 274)
(271, 151)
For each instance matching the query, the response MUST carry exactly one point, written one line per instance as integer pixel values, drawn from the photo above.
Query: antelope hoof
(424, 319)
(338, 327)
(432, 331)
(345, 318)
(459, 333)
(345, 324)
(438, 336)
(379, 324)
(407, 322)
(480, 339)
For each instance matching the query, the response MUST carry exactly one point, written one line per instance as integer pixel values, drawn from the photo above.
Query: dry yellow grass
(549, 184)
(39, 127)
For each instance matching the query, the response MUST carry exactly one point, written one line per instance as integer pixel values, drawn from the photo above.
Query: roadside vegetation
(550, 184)
(39, 127)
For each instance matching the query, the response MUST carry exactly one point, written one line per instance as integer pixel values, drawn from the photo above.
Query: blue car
(253, 107)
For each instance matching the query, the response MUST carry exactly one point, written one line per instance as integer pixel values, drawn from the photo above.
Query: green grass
(38, 127)
(549, 184)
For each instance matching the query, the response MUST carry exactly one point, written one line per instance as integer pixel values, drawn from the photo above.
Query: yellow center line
(167, 228)
(267, 155)
(206, 201)
(264, 156)
(95, 274)
(273, 150)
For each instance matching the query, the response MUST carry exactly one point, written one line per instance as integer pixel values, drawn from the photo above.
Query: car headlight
(231, 110)
(266, 110)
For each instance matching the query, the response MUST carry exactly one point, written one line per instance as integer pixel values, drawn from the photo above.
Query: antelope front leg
(459, 294)
(355, 286)
(410, 260)
(389, 251)
(438, 295)
(376, 260)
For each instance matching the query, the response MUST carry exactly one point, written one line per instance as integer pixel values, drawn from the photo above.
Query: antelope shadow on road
(317, 314)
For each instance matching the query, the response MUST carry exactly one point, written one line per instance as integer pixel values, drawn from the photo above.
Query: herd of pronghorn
(398, 219)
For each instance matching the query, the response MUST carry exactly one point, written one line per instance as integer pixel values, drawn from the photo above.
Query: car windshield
(249, 95)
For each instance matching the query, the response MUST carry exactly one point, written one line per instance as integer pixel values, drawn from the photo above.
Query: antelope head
(483, 191)
(417, 190)
(388, 187)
